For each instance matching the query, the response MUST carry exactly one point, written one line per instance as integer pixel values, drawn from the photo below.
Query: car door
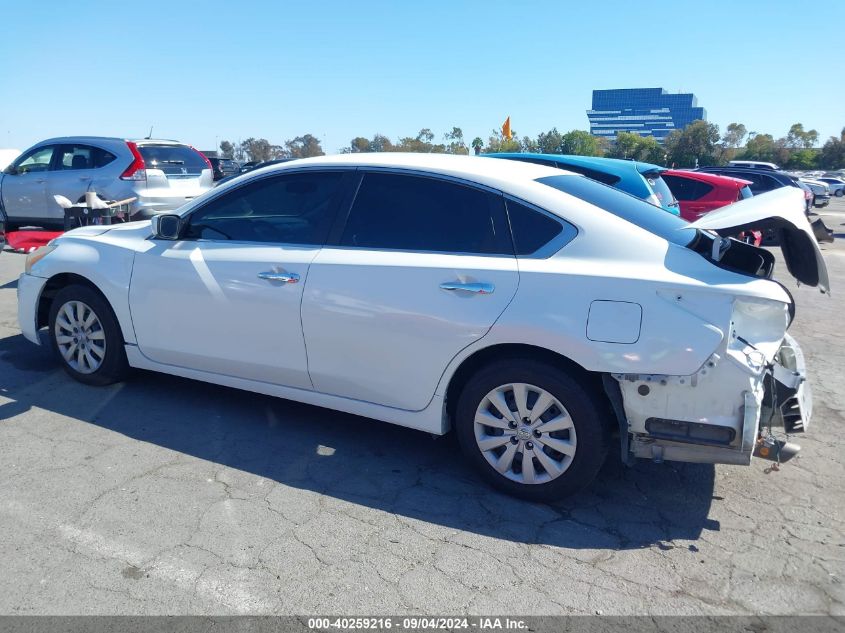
(422, 268)
(75, 169)
(25, 185)
(225, 297)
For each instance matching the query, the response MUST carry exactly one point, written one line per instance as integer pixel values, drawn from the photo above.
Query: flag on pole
(506, 129)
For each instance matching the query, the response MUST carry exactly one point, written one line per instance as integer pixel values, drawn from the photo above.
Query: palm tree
(477, 144)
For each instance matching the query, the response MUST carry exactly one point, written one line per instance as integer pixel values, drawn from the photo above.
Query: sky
(205, 71)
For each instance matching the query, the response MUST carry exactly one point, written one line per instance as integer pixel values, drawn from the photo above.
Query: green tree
(381, 143)
(477, 144)
(581, 143)
(732, 139)
(798, 138)
(833, 152)
(227, 149)
(550, 142)
(528, 144)
(498, 143)
(626, 145)
(735, 133)
(760, 147)
(257, 149)
(802, 159)
(650, 151)
(695, 144)
(357, 145)
(303, 147)
(455, 140)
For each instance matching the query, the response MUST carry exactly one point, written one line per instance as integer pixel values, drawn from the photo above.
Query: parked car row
(542, 315)
(161, 175)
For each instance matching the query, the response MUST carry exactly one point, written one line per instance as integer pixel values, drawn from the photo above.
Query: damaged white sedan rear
(537, 313)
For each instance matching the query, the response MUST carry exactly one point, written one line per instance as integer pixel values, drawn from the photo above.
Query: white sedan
(541, 315)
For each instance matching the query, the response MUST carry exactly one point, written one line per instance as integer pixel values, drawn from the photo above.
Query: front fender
(106, 266)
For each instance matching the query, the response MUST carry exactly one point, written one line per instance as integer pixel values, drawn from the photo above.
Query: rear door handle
(85, 177)
(476, 287)
(288, 278)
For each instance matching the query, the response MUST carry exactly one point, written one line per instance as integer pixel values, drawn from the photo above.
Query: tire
(555, 474)
(839, 193)
(98, 338)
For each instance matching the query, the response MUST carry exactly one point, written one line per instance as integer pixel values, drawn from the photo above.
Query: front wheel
(86, 336)
(532, 430)
(839, 193)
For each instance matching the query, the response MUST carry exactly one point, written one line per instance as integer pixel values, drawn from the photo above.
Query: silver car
(162, 175)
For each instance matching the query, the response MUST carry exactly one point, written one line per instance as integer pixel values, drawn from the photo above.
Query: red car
(699, 192)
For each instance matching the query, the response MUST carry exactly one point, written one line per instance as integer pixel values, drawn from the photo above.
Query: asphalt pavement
(167, 496)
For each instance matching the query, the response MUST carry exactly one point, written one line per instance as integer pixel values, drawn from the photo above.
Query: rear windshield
(661, 189)
(173, 160)
(625, 206)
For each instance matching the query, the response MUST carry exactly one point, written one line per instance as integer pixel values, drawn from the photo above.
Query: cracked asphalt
(168, 496)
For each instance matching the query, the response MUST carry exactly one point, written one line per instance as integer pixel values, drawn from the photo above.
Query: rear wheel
(532, 430)
(86, 336)
(839, 193)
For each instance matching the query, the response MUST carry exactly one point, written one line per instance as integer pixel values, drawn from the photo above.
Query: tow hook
(775, 450)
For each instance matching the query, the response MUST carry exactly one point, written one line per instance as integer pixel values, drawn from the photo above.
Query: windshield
(661, 190)
(625, 206)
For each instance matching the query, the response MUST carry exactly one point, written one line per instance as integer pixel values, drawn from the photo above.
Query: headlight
(37, 255)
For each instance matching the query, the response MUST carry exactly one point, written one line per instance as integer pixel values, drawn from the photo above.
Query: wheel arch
(56, 283)
(504, 351)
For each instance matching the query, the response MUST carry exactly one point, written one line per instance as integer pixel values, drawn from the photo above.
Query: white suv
(535, 311)
(162, 175)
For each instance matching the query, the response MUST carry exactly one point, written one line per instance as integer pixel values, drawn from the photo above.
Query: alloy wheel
(525, 433)
(80, 337)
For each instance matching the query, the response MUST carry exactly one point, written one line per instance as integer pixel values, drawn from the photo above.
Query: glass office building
(646, 111)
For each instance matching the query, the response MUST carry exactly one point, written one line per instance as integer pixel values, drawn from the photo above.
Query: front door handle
(475, 286)
(288, 278)
(85, 177)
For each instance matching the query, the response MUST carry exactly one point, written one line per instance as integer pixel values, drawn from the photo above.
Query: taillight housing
(137, 170)
(204, 157)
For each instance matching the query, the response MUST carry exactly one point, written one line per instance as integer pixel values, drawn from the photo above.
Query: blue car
(642, 180)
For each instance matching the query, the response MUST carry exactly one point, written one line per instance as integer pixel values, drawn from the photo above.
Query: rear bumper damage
(722, 414)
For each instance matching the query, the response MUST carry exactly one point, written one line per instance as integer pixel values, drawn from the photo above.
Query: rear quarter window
(533, 229)
(628, 207)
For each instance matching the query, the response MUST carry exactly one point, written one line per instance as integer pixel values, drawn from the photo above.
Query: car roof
(494, 173)
(111, 139)
(780, 175)
(703, 176)
(616, 166)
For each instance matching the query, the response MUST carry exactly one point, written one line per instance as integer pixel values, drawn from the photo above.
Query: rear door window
(415, 213)
(83, 157)
(173, 160)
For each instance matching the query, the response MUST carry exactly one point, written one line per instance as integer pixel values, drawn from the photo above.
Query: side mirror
(11, 170)
(167, 226)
